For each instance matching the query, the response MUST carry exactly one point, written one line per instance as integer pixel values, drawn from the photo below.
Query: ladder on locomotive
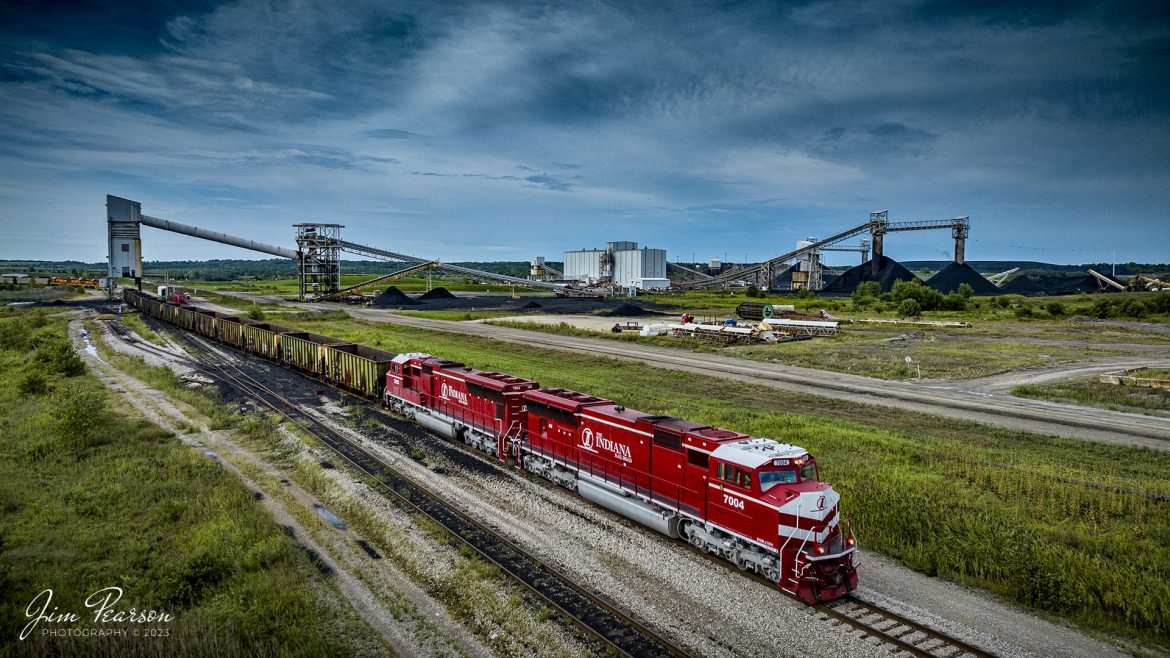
(508, 443)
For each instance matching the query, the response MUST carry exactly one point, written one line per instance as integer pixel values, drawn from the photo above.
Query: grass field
(1077, 529)
(1094, 393)
(872, 352)
(91, 497)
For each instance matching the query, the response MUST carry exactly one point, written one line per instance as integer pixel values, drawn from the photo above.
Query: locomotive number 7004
(734, 502)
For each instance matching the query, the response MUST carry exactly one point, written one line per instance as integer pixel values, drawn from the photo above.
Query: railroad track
(615, 629)
(887, 626)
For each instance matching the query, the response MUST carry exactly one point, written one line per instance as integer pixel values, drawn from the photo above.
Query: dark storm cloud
(743, 117)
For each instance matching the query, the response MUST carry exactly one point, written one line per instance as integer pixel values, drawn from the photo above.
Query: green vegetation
(877, 352)
(91, 498)
(868, 301)
(31, 293)
(134, 322)
(1077, 529)
(1095, 393)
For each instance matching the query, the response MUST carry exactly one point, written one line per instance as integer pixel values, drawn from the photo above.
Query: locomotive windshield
(809, 472)
(769, 479)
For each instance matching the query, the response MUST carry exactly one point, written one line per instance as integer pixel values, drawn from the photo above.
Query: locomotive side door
(729, 499)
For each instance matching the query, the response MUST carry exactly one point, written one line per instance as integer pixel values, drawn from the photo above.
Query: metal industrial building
(620, 264)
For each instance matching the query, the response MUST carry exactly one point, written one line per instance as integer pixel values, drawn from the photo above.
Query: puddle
(328, 516)
(90, 349)
(20, 303)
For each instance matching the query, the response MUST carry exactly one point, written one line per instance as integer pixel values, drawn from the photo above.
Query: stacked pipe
(754, 311)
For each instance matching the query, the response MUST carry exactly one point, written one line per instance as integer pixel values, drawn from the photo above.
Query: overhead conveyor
(317, 255)
(877, 227)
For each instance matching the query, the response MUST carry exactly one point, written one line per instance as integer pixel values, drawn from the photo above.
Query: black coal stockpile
(1022, 285)
(954, 275)
(1072, 285)
(889, 271)
(437, 293)
(392, 297)
(531, 305)
(629, 310)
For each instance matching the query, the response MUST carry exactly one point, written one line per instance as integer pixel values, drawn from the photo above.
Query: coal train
(755, 502)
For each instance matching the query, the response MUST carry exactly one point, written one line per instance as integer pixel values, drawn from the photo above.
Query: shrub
(77, 413)
(866, 292)
(1101, 308)
(1055, 309)
(966, 291)
(256, 314)
(909, 308)
(1021, 311)
(954, 302)
(32, 383)
(1132, 308)
(1159, 303)
(1003, 301)
(928, 298)
(58, 355)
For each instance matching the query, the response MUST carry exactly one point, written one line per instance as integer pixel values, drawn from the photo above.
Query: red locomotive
(755, 502)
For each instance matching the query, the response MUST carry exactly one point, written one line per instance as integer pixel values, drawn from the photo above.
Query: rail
(618, 631)
(885, 625)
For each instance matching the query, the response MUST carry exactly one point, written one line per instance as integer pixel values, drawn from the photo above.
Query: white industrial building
(620, 263)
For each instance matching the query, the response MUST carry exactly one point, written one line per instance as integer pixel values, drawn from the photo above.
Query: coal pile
(1072, 285)
(889, 271)
(628, 310)
(530, 305)
(437, 293)
(954, 275)
(392, 297)
(1022, 285)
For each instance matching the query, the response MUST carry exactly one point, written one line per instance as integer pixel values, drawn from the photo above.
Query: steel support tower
(319, 264)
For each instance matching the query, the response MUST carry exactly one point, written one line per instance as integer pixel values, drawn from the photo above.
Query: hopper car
(756, 502)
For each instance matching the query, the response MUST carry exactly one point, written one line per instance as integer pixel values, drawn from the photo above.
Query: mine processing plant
(318, 253)
(877, 227)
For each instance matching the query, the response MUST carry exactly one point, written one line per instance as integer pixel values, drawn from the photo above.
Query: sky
(480, 131)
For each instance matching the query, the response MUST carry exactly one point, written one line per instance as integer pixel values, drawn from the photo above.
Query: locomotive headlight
(820, 549)
(850, 540)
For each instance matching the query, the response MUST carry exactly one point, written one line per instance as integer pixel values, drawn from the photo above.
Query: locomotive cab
(801, 512)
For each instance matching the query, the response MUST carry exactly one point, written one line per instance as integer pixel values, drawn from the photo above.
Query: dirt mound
(437, 293)
(889, 271)
(954, 275)
(531, 305)
(392, 297)
(1022, 285)
(628, 310)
